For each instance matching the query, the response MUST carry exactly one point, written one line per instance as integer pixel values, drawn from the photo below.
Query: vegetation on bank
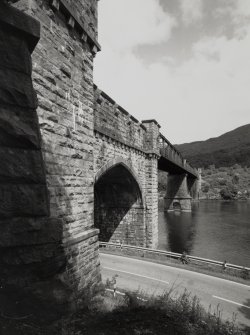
(133, 313)
(228, 183)
(226, 150)
(136, 313)
(225, 164)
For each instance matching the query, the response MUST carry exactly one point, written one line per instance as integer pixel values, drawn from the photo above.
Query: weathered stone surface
(82, 151)
(86, 11)
(23, 191)
(28, 231)
(23, 200)
(18, 127)
(21, 166)
(16, 89)
(177, 193)
(63, 80)
(23, 25)
(14, 53)
(119, 135)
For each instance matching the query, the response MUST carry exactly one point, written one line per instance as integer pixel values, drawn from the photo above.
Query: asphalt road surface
(233, 298)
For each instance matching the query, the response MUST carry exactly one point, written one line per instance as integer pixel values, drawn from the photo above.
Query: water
(215, 229)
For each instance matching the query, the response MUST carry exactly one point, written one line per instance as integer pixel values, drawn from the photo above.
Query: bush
(222, 181)
(229, 192)
(205, 188)
(245, 274)
(236, 178)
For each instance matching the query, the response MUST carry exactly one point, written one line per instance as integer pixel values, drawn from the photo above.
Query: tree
(229, 192)
(205, 188)
(222, 181)
(236, 178)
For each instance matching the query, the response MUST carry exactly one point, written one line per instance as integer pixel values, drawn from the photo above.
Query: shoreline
(224, 200)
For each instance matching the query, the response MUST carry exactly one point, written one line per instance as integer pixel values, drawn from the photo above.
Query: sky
(185, 63)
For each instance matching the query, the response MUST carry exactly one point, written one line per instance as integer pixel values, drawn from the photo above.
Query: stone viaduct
(74, 164)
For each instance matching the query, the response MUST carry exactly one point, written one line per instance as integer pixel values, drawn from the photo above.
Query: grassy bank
(127, 315)
(153, 315)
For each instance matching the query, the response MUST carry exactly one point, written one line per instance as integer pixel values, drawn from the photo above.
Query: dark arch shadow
(119, 209)
(120, 161)
(176, 206)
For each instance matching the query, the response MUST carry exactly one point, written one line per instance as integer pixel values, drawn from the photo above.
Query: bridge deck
(171, 157)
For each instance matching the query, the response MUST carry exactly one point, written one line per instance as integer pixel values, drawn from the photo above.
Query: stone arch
(119, 211)
(116, 161)
(176, 205)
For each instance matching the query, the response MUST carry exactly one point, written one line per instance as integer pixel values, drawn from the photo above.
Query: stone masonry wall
(113, 120)
(130, 230)
(151, 142)
(52, 163)
(24, 206)
(63, 80)
(106, 151)
(120, 138)
(177, 192)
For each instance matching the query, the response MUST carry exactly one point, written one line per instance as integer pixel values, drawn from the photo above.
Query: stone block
(16, 89)
(21, 166)
(21, 24)
(18, 127)
(14, 53)
(26, 231)
(23, 200)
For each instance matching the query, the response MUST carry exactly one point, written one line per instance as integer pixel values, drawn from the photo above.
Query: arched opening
(119, 210)
(176, 206)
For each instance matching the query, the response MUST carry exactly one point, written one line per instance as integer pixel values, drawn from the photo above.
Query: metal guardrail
(173, 255)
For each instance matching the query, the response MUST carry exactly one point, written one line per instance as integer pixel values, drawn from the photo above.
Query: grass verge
(104, 314)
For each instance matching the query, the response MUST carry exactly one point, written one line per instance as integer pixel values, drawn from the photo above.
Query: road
(133, 274)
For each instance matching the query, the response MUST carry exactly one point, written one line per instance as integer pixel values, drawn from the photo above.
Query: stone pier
(177, 193)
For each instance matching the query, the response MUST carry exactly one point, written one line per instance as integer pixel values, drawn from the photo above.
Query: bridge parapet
(168, 151)
(151, 136)
(114, 121)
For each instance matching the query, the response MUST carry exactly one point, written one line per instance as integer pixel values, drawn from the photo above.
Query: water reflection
(215, 229)
(181, 231)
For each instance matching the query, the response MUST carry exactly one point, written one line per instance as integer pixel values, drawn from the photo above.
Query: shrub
(236, 178)
(245, 274)
(222, 181)
(205, 188)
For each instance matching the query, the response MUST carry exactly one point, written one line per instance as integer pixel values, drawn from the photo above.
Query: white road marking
(121, 293)
(198, 274)
(232, 302)
(136, 274)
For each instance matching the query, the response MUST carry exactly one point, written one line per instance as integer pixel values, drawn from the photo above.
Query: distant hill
(226, 150)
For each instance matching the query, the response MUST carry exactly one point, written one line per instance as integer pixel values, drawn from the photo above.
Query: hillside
(226, 150)
(225, 182)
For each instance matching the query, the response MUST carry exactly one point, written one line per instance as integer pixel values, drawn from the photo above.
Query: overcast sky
(185, 63)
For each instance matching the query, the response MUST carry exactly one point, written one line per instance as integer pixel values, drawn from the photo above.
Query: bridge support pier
(178, 193)
(194, 186)
(151, 182)
(151, 213)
